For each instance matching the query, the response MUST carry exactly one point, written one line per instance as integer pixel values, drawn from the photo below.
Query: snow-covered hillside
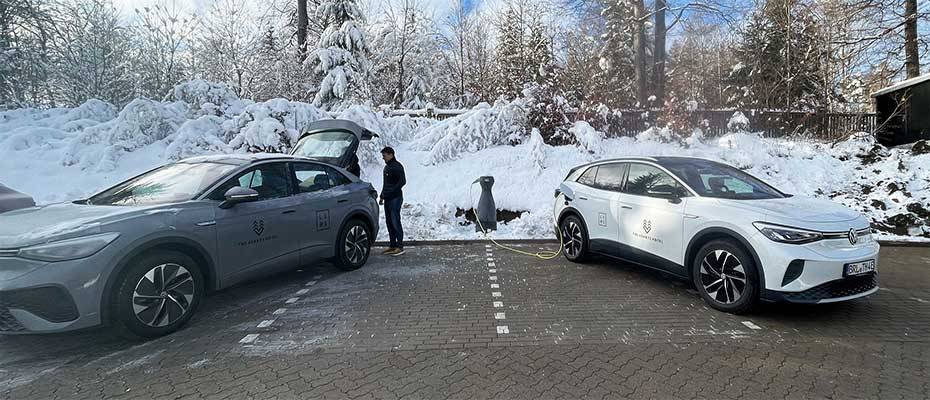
(63, 154)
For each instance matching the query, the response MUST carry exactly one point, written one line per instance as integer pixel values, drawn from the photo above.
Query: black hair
(387, 150)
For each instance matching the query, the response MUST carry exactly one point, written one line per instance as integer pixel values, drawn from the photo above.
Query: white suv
(738, 239)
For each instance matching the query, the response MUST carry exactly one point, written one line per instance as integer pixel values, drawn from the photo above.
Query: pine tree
(616, 58)
(341, 59)
(523, 47)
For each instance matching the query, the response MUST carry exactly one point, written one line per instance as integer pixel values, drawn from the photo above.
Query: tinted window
(168, 184)
(325, 144)
(610, 177)
(712, 179)
(588, 177)
(314, 178)
(269, 180)
(646, 180)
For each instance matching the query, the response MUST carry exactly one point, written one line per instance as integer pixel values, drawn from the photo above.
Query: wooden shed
(903, 111)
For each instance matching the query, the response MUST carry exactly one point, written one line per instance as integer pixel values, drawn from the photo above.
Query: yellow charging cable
(542, 255)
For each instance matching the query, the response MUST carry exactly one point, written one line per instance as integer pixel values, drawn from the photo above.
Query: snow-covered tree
(226, 45)
(464, 37)
(26, 28)
(341, 59)
(616, 58)
(522, 47)
(163, 48)
(403, 65)
(92, 54)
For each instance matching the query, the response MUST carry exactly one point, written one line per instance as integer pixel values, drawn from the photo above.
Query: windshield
(710, 179)
(169, 184)
(324, 144)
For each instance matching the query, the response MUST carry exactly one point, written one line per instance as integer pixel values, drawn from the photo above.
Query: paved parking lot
(469, 321)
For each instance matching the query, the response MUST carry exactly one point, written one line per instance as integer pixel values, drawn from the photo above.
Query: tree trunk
(911, 52)
(302, 22)
(639, 47)
(658, 69)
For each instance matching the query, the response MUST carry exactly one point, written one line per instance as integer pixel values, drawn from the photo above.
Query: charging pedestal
(487, 211)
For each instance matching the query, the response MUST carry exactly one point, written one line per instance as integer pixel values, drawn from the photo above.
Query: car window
(647, 180)
(610, 177)
(314, 177)
(588, 177)
(269, 180)
(712, 179)
(329, 145)
(168, 184)
(339, 178)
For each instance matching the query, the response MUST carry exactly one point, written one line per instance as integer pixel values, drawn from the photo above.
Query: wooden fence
(814, 125)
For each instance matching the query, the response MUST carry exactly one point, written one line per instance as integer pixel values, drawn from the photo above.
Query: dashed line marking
(751, 325)
(249, 339)
(266, 323)
(302, 292)
(503, 329)
(311, 283)
(492, 264)
(500, 315)
(490, 259)
(495, 286)
(498, 304)
(496, 294)
(493, 277)
(292, 300)
(279, 311)
(488, 246)
(492, 271)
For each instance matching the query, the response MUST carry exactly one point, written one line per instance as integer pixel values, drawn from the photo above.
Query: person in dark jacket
(392, 196)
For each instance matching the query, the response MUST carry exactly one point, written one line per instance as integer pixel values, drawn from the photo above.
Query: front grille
(50, 303)
(8, 323)
(849, 286)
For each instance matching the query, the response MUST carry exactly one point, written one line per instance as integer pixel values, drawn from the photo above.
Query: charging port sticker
(322, 220)
(602, 219)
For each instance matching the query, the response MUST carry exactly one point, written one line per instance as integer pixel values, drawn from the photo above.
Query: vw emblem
(647, 225)
(258, 227)
(853, 237)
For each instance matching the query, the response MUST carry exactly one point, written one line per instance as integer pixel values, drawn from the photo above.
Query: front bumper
(816, 275)
(42, 297)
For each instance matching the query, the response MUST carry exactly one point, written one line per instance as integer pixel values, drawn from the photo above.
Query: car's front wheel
(353, 246)
(726, 277)
(158, 294)
(574, 239)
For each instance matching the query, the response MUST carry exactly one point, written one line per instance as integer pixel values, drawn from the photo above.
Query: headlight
(70, 249)
(784, 234)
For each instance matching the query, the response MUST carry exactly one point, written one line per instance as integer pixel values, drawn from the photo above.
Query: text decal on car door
(322, 220)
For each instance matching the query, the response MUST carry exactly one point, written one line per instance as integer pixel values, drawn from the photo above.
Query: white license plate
(859, 268)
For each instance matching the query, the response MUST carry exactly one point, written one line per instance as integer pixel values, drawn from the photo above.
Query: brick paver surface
(426, 325)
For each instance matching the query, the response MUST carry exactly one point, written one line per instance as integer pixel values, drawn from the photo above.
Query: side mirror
(238, 195)
(666, 192)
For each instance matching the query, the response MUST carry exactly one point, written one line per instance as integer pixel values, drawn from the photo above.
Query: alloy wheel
(357, 244)
(572, 239)
(723, 277)
(163, 295)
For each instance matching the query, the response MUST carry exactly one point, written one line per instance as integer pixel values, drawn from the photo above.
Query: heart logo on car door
(647, 225)
(258, 227)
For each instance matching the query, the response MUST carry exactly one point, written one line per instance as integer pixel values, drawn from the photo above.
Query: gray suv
(142, 254)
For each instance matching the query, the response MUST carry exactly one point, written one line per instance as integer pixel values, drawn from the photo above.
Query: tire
(575, 243)
(737, 292)
(353, 246)
(148, 304)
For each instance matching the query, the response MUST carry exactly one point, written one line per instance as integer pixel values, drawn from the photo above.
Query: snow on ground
(64, 154)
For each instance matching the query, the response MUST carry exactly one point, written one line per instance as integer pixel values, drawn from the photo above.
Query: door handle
(582, 198)
(288, 212)
(342, 201)
(626, 207)
(691, 216)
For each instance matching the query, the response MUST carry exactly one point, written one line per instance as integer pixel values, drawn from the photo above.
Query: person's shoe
(397, 252)
(389, 250)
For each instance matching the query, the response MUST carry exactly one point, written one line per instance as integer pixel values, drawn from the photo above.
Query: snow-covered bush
(207, 98)
(271, 126)
(481, 127)
(738, 123)
(197, 137)
(589, 139)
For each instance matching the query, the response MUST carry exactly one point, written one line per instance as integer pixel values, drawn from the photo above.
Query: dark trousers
(392, 218)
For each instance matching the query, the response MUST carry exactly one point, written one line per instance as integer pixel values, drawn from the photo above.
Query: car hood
(797, 208)
(43, 224)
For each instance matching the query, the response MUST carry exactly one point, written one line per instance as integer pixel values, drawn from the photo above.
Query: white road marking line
(488, 246)
(493, 277)
(266, 323)
(495, 286)
(492, 264)
(279, 311)
(495, 294)
(490, 259)
(492, 271)
(302, 292)
(248, 339)
(498, 304)
(751, 325)
(503, 329)
(311, 283)
(500, 315)
(292, 300)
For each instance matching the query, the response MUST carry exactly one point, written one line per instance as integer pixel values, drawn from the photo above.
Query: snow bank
(65, 154)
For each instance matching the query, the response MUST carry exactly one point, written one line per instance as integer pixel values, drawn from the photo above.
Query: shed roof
(902, 85)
